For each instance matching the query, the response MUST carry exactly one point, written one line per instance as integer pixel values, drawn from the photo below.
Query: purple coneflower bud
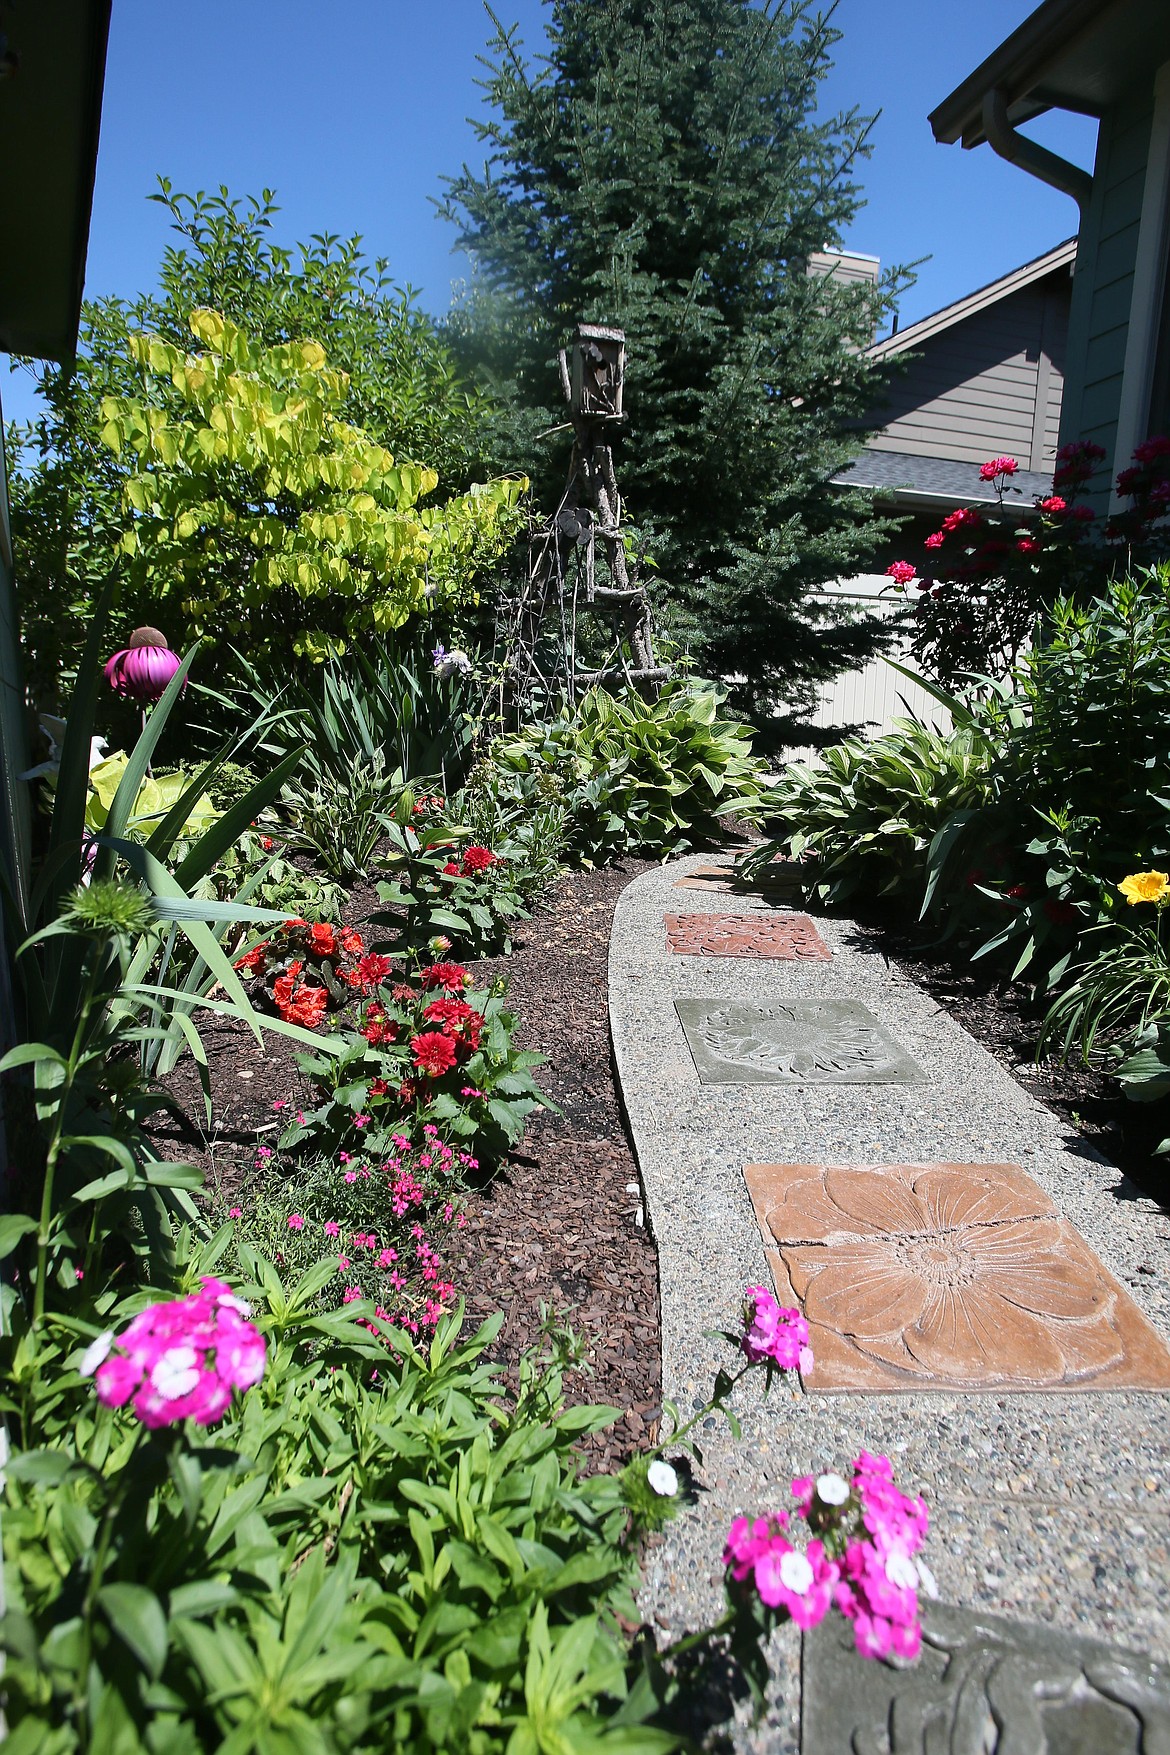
(142, 670)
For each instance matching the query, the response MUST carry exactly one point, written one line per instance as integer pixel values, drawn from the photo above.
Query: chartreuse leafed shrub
(654, 775)
(259, 514)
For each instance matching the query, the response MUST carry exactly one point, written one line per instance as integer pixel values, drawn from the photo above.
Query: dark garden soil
(558, 1226)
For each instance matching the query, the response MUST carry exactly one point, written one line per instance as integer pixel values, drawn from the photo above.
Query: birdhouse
(598, 373)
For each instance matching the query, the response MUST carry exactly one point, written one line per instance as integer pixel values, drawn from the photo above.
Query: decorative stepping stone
(786, 937)
(821, 1042)
(947, 1276)
(982, 1683)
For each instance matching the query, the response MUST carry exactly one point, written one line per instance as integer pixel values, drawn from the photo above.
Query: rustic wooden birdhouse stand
(598, 373)
(578, 560)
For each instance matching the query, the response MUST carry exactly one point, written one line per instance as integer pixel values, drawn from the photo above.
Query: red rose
(962, 518)
(433, 1053)
(997, 466)
(901, 572)
(1054, 503)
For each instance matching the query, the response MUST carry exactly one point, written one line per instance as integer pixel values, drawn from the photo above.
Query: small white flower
(662, 1478)
(97, 1350)
(796, 1574)
(927, 1580)
(832, 1489)
(175, 1373)
(901, 1571)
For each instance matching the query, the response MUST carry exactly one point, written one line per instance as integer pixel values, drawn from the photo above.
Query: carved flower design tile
(955, 1276)
(826, 1042)
(784, 936)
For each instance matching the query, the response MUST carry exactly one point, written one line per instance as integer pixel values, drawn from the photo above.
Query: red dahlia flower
(479, 859)
(373, 968)
(451, 976)
(433, 1053)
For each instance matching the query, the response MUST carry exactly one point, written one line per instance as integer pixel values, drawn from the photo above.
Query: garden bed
(557, 1227)
(1007, 1021)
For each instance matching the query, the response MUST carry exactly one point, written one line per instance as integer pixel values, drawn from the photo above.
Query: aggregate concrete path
(1050, 1507)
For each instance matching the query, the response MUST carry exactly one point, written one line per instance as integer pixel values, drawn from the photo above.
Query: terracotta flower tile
(788, 937)
(947, 1276)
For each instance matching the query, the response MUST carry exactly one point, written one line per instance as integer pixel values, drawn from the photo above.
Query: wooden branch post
(592, 376)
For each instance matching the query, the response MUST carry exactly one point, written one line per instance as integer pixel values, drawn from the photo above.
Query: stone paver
(954, 1276)
(985, 1685)
(824, 1042)
(745, 935)
(1050, 1507)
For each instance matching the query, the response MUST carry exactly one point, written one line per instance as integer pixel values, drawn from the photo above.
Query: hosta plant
(657, 775)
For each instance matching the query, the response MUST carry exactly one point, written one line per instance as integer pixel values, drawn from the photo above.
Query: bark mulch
(558, 1226)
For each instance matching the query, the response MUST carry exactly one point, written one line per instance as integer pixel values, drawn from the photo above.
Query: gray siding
(989, 384)
(1103, 283)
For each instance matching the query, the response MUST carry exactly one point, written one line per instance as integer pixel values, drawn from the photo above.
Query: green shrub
(375, 1549)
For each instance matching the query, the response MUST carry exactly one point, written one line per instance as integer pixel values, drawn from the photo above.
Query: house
(52, 68)
(1109, 59)
(984, 377)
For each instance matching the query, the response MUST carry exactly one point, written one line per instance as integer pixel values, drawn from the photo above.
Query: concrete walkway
(1051, 1507)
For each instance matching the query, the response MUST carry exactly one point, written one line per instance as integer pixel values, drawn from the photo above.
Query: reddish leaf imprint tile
(946, 1276)
(785, 936)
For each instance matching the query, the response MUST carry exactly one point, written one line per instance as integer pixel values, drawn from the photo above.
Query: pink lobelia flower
(142, 670)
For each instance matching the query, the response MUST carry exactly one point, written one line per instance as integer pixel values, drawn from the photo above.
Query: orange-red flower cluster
(296, 1001)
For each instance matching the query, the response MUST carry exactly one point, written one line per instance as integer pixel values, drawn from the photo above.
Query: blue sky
(353, 111)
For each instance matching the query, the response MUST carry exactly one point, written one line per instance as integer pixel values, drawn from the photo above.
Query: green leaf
(137, 1617)
(14, 1226)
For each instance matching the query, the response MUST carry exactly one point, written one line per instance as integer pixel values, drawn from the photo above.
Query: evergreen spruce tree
(662, 168)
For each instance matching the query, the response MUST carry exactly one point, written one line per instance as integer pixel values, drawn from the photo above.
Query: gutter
(1029, 155)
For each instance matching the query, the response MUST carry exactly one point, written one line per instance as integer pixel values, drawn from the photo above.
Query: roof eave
(1015, 68)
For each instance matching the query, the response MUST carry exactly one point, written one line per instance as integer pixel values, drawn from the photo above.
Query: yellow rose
(1145, 886)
